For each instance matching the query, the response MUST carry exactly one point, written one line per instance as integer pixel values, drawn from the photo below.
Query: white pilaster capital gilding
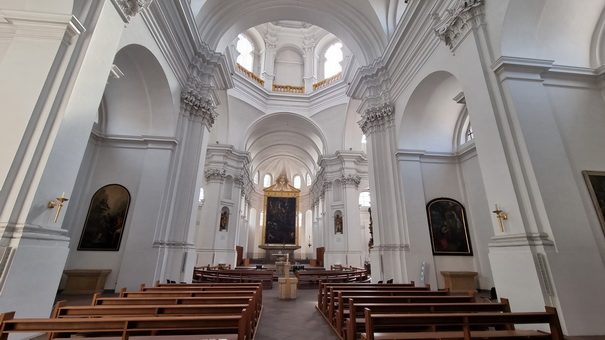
(464, 16)
(377, 118)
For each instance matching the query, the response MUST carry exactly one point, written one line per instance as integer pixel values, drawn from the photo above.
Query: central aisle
(292, 319)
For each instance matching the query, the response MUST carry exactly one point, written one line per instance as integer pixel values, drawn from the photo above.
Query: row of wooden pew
(311, 278)
(205, 274)
(403, 311)
(174, 311)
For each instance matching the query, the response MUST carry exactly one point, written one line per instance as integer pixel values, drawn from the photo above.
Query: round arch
(355, 24)
(285, 142)
(139, 102)
(429, 119)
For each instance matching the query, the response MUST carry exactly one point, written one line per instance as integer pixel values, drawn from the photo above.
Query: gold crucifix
(53, 204)
(500, 216)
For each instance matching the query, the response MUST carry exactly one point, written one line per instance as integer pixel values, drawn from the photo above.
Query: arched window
(245, 48)
(364, 143)
(261, 219)
(256, 175)
(309, 181)
(466, 133)
(333, 57)
(297, 181)
(267, 180)
(364, 199)
(201, 198)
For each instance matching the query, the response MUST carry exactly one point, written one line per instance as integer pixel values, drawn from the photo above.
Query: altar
(272, 251)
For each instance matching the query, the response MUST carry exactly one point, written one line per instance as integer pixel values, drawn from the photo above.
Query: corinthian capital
(377, 118)
(131, 8)
(198, 107)
(351, 179)
(460, 19)
(213, 174)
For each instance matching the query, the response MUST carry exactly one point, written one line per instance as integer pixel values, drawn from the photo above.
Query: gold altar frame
(281, 190)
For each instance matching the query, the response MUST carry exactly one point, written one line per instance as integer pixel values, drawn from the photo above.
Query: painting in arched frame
(448, 227)
(106, 219)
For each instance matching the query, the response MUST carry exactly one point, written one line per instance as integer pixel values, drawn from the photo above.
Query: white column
(268, 74)
(53, 93)
(309, 74)
(227, 179)
(387, 256)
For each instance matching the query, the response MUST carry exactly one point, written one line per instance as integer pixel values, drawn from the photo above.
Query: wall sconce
(309, 241)
(500, 216)
(53, 204)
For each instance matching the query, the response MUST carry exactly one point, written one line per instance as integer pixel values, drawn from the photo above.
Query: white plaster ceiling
(284, 143)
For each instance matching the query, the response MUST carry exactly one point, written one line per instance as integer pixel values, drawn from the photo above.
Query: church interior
(143, 139)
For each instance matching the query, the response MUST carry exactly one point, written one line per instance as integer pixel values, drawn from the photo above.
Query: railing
(250, 75)
(288, 88)
(327, 81)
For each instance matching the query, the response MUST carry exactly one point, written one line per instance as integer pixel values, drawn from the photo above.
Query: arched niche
(429, 120)
(228, 187)
(289, 66)
(139, 102)
(223, 224)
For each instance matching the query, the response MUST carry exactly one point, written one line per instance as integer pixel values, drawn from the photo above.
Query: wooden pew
(324, 289)
(470, 325)
(184, 297)
(236, 276)
(61, 310)
(99, 300)
(205, 284)
(223, 287)
(354, 319)
(342, 297)
(312, 278)
(225, 327)
(186, 293)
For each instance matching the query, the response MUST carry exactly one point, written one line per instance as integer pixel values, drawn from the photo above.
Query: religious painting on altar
(595, 180)
(281, 220)
(448, 227)
(106, 219)
(281, 207)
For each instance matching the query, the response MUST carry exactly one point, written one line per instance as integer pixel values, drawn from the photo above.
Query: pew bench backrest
(395, 325)
(125, 326)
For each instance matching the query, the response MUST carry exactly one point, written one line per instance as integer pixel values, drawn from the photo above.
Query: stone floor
(292, 319)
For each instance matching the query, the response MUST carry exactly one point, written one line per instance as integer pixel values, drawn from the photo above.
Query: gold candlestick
(500, 216)
(53, 204)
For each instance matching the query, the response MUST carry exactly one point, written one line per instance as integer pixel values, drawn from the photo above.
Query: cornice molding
(521, 240)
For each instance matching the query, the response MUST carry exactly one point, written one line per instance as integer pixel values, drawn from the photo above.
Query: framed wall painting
(595, 180)
(281, 209)
(448, 227)
(280, 222)
(106, 218)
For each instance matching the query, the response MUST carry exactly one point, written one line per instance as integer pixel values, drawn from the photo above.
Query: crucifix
(59, 205)
(500, 216)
